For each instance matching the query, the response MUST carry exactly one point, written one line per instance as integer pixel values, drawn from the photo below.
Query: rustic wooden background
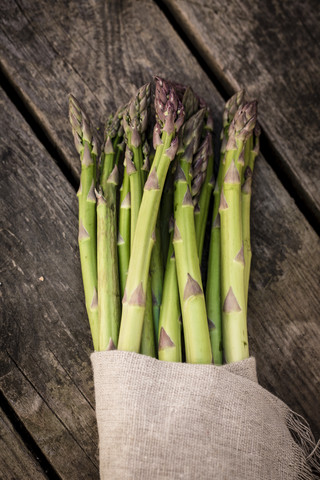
(101, 51)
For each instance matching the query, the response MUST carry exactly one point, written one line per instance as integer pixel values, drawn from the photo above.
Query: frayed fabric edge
(308, 447)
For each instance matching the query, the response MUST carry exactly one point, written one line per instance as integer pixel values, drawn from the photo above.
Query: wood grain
(101, 51)
(272, 49)
(45, 370)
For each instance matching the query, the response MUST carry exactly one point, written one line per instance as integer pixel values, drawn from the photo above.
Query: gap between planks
(27, 439)
(268, 150)
(13, 93)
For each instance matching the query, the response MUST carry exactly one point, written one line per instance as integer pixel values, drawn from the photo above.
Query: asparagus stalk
(107, 260)
(112, 152)
(156, 279)
(166, 212)
(86, 146)
(124, 227)
(194, 316)
(170, 115)
(135, 123)
(213, 295)
(251, 152)
(147, 346)
(203, 173)
(170, 316)
(234, 320)
(190, 104)
(107, 255)
(169, 338)
(156, 261)
(213, 287)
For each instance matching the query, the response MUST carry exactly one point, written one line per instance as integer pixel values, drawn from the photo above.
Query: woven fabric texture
(162, 420)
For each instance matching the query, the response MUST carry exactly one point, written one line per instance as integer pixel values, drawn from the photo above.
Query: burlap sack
(161, 420)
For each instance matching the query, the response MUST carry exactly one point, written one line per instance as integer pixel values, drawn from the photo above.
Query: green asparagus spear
(170, 315)
(202, 198)
(169, 334)
(156, 278)
(86, 146)
(213, 287)
(135, 123)
(234, 320)
(107, 255)
(107, 261)
(156, 261)
(194, 316)
(169, 119)
(166, 212)
(203, 173)
(190, 104)
(250, 155)
(137, 166)
(124, 225)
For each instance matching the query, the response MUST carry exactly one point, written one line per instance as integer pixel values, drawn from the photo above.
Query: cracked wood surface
(101, 53)
(272, 49)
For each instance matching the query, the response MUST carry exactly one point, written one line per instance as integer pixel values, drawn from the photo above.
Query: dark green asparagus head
(231, 107)
(242, 124)
(199, 167)
(196, 145)
(81, 128)
(135, 118)
(201, 157)
(114, 127)
(192, 131)
(190, 102)
(245, 120)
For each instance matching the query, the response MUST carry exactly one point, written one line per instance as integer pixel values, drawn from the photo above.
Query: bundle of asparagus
(143, 242)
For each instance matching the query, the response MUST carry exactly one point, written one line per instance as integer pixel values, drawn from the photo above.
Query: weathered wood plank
(15, 459)
(45, 370)
(127, 48)
(284, 305)
(271, 49)
(99, 51)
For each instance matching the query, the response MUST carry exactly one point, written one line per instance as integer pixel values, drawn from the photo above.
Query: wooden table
(101, 52)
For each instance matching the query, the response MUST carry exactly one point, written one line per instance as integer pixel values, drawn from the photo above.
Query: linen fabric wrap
(163, 420)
